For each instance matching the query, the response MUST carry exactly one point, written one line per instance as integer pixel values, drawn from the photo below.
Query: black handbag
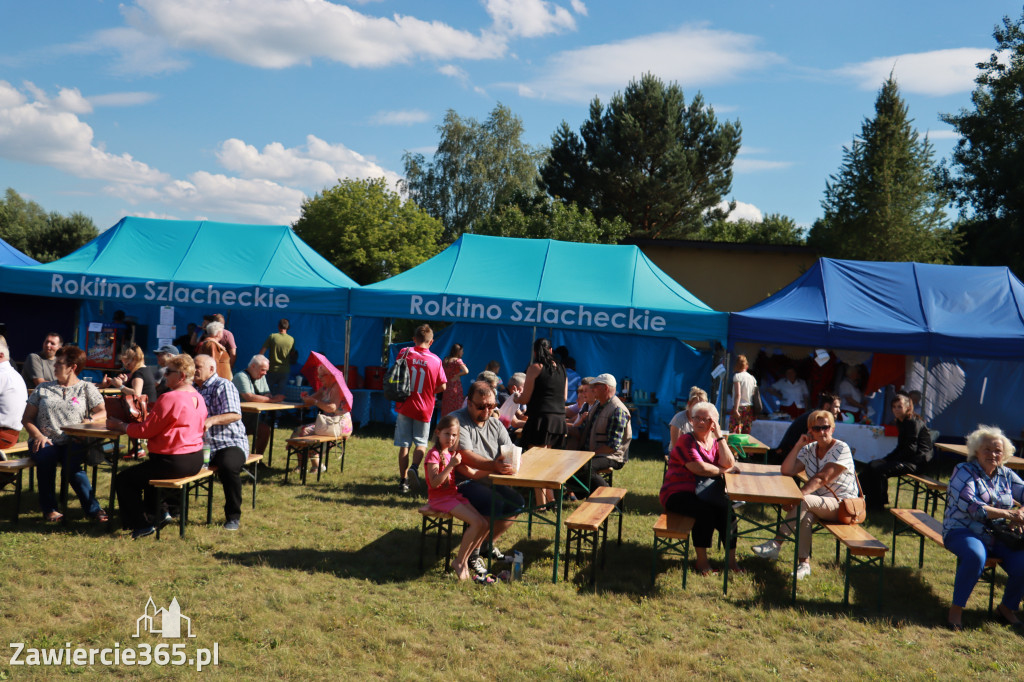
(711, 490)
(1006, 535)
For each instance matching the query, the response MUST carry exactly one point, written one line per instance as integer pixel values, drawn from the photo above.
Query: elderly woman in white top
(680, 423)
(829, 466)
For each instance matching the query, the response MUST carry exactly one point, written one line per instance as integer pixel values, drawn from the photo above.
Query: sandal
(486, 579)
(100, 516)
(53, 517)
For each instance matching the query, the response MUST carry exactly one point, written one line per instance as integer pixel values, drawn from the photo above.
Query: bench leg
(344, 442)
(209, 499)
(183, 513)
(423, 540)
(846, 576)
(255, 481)
(17, 494)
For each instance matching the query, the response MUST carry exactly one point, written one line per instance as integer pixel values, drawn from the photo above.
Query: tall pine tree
(885, 204)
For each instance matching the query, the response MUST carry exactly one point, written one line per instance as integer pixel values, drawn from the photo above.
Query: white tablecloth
(868, 442)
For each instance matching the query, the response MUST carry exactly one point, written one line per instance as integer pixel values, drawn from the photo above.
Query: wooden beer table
(258, 409)
(93, 431)
(544, 468)
(761, 484)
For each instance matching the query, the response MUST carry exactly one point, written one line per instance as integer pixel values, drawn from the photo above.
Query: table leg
(796, 549)
(490, 531)
(558, 531)
(728, 543)
(64, 482)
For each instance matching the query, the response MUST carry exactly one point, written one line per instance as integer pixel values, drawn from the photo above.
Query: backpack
(397, 382)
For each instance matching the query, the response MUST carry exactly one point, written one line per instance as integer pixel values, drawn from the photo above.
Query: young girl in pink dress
(443, 496)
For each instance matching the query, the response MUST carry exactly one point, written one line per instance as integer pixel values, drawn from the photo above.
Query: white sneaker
(478, 565)
(803, 570)
(767, 550)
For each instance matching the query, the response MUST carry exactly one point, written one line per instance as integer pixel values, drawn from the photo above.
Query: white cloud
(460, 75)
(314, 166)
(529, 18)
(283, 33)
(122, 99)
(936, 73)
(745, 165)
(137, 52)
(403, 117)
(45, 132)
(743, 211)
(945, 134)
(692, 55)
(578, 7)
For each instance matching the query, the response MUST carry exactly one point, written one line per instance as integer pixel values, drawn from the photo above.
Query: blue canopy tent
(615, 310)
(970, 316)
(20, 322)
(254, 274)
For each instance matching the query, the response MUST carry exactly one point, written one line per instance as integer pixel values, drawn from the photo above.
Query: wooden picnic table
(755, 447)
(258, 409)
(959, 449)
(761, 484)
(544, 468)
(91, 431)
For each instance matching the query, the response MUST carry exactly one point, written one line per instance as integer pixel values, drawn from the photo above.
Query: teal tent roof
(544, 283)
(192, 263)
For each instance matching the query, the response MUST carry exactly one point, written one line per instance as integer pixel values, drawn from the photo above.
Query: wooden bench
(588, 525)
(927, 527)
(301, 448)
(202, 481)
(251, 467)
(672, 536)
(441, 522)
(15, 467)
(861, 548)
(933, 490)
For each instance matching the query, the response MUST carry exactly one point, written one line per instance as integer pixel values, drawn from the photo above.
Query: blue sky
(235, 110)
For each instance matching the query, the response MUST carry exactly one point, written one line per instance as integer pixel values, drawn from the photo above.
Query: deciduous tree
(987, 170)
(477, 169)
(775, 229)
(552, 220)
(366, 230)
(26, 226)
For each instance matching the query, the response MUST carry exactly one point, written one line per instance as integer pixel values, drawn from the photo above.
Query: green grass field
(322, 583)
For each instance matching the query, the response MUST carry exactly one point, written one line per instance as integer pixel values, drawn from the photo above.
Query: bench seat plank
(856, 539)
(674, 526)
(596, 508)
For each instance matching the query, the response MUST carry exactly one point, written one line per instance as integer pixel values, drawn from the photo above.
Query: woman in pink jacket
(174, 429)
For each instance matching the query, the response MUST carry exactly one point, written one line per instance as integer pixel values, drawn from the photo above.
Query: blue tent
(908, 308)
(969, 319)
(254, 274)
(544, 283)
(11, 256)
(497, 288)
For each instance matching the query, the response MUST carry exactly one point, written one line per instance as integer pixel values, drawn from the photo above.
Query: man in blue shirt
(229, 448)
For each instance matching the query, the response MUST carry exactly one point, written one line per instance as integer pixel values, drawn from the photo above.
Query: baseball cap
(606, 379)
(169, 350)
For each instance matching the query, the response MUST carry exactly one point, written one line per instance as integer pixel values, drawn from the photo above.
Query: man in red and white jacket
(413, 427)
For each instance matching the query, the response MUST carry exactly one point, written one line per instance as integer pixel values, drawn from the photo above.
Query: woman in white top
(743, 386)
(680, 423)
(829, 466)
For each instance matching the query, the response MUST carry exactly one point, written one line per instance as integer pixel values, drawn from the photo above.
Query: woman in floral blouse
(980, 490)
(51, 407)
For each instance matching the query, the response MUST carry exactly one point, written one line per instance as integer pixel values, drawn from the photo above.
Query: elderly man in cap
(229, 448)
(253, 388)
(162, 354)
(606, 432)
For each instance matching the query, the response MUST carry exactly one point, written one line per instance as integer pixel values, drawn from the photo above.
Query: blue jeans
(972, 553)
(47, 459)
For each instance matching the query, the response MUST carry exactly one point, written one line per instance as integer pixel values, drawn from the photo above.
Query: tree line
(650, 165)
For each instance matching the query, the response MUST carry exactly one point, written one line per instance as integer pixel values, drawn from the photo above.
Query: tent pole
(721, 403)
(348, 336)
(387, 348)
(924, 387)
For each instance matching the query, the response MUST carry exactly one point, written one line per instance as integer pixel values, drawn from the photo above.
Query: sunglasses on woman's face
(821, 429)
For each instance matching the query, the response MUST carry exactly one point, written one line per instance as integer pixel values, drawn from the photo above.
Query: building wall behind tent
(28, 319)
(322, 333)
(663, 366)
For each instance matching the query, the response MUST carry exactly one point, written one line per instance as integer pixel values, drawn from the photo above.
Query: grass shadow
(374, 562)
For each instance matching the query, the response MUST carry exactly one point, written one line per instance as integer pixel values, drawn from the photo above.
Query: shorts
(408, 431)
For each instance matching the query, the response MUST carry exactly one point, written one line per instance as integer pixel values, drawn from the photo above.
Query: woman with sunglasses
(831, 477)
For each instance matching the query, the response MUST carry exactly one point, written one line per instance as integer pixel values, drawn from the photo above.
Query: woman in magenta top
(453, 366)
(174, 429)
(443, 496)
(700, 458)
